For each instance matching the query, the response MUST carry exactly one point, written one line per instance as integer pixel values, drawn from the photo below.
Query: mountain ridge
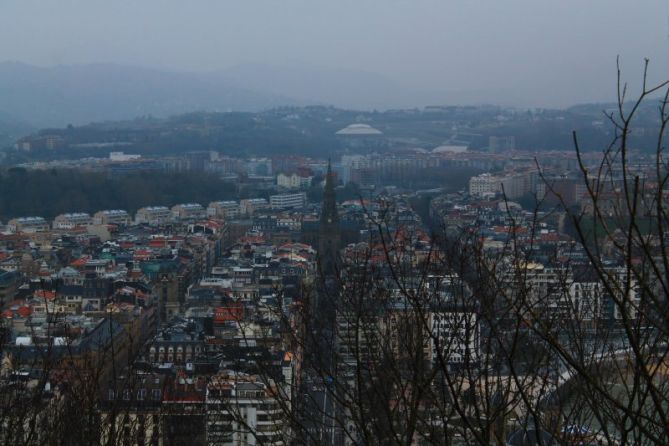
(77, 94)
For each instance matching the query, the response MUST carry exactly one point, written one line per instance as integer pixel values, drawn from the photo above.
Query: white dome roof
(359, 129)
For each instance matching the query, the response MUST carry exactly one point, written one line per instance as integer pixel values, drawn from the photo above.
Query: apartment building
(288, 201)
(153, 215)
(188, 211)
(27, 224)
(223, 209)
(111, 217)
(242, 409)
(250, 206)
(72, 220)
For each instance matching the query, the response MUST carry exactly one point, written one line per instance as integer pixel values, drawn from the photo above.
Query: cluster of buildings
(159, 215)
(196, 319)
(178, 312)
(537, 245)
(191, 316)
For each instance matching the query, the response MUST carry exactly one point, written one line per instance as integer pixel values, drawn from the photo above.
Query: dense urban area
(382, 288)
(343, 223)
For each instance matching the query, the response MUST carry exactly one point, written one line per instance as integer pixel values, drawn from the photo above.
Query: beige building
(223, 209)
(188, 211)
(251, 205)
(111, 217)
(72, 220)
(27, 224)
(153, 215)
(293, 181)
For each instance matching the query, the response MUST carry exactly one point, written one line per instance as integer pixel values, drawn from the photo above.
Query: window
(155, 394)
(141, 394)
(111, 394)
(126, 394)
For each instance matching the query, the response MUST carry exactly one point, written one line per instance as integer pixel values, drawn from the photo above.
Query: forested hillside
(49, 193)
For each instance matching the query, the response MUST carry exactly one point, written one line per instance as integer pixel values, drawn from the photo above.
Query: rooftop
(359, 129)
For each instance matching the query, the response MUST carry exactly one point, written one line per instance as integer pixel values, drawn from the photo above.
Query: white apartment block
(484, 184)
(72, 220)
(293, 181)
(455, 336)
(587, 299)
(241, 410)
(288, 201)
(514, 184)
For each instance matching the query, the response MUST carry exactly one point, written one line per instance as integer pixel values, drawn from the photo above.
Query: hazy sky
(544, 47)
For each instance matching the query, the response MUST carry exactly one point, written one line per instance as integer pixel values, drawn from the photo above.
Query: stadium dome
(359, 129)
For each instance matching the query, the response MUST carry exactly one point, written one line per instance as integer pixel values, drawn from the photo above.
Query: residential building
(27, 224)
(455, 336)
(288, 201)
(72, 220)
(188, 211)
(484, 184)
(501, 144)
(223, 209)
(153, 215)
(243, 409)
(249, 206)
(293, 181)
(111, 217)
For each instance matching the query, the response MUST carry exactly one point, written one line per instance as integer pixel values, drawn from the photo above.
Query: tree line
(47, 193)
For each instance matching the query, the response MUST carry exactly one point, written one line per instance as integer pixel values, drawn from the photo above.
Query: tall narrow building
(327, 290)
(329, 236)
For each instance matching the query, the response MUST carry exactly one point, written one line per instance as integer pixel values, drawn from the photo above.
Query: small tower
(329, 236)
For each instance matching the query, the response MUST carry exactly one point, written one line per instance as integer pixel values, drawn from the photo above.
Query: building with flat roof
(288, 201)
(188, 211)
(251, 205)
(72, 220)
(153, 215)
(223, 209)
(484, 184)
(293, 181)
(111, 217)
(255, 399)
(27, 224)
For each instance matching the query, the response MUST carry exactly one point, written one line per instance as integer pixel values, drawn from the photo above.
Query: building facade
(72, 220)
(153, 215)
(288, 201)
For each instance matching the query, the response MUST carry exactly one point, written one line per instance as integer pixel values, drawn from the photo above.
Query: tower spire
(329, 237)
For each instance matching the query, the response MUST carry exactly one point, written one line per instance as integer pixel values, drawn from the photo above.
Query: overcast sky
(559, 50)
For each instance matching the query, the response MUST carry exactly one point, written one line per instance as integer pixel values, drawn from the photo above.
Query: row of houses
(156, 215)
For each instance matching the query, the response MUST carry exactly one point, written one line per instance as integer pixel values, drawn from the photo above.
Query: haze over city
(344, 223)
(514, 52)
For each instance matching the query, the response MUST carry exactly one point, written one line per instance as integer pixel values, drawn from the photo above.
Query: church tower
(329, 236)
(320, 351)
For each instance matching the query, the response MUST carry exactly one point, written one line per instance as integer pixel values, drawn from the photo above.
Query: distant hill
(345, 88)
(78, 94)
(312, 131)
(11, 129)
